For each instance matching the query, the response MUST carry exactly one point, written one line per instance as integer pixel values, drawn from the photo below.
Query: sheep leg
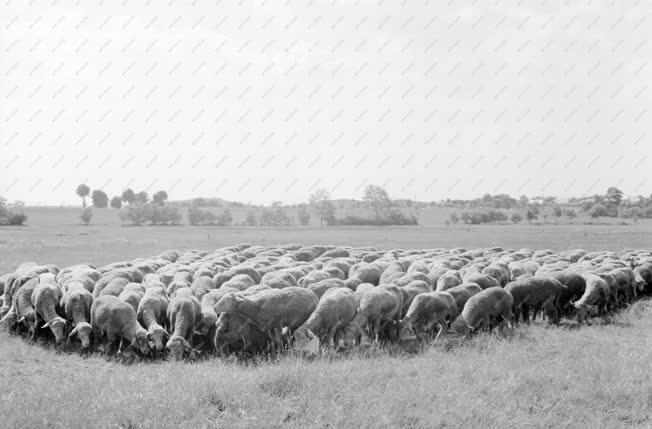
(442, 329)
(526, 313)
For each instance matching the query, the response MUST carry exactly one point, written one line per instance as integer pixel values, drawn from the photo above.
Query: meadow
(594, 376)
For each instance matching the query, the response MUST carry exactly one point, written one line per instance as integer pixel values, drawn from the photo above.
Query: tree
(86, 215)
(572, 214)
(466, 217)
(100, 199)
(531, 214)
(377, 199)
(82, 192)
(160, 197)
(598, 210)
(321, 201)
(250, 219)
(128, 196)
(613, 197)
(557, 211)
(303, 215)
(142, 197)
(516, 218)
(523, 201)
(116, 202)
(454, 218)
(225, 218)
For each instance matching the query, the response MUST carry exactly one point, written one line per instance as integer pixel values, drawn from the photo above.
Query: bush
(391, 218)
(454, 218)
(16, 219)
(198, 216)
(481, 216)
(276, 217)
(86, 215)
(303, 215)
(516, 218)
(225, 219)
(598, 210)
(138, 214)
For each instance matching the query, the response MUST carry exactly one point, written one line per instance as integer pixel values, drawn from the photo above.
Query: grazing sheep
(367, 273)
(313, 277)
(45, 299)
(595, 297)
(114, 287)
(497, 271)
(77, 302)
(410, 291)
(183, 313)
(22, 310)
(202, 285)
(152, 314)
(534, 293)
(207, 305)
(428, 310)
(643, 277)
(378, 307)
(132, 294)
(241, 336)
(463, 292)
(270, 310)
(448, 280)
(321, 287)
(335, 309)
(117, 319)
(575, 286)
(483, 280)
(490, 306)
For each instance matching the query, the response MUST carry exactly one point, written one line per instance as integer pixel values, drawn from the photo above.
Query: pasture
(595, 376)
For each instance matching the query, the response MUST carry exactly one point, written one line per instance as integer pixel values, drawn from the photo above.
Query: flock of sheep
(249, 299)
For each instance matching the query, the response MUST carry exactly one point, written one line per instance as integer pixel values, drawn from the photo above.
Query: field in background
(429, 216)
(596, 376)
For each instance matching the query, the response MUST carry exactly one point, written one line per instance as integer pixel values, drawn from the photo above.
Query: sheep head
(306, 341)
(222, 323)
(208, 321)
(406, 330)
(177, 346)
(83, 332)
(57, 325)
(140, 341)
(583, 309)
(156, 338)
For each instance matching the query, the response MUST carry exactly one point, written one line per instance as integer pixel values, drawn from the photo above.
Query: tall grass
(594, 376)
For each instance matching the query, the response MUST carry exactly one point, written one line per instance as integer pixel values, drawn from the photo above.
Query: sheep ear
(148, 336)
(47, 325)
(285, 331)
(73, 332)
(311, 334)
(22, 319)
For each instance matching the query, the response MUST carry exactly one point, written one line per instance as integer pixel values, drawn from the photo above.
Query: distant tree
(466, 217)
(516, 218)
(303, 215)
(557, 211)
(377, 199)
(321, 201)
(523, 201)
(531, 214)
(142, 197)
(128, 196)
(572, 214)
(82, 192)
(116, 202)
(160, 197)
(598, 210)
(545, 218)
(100, 199)
(86, 215)
(454, 218)
(250, 219)
(225, 218)
(613, 197)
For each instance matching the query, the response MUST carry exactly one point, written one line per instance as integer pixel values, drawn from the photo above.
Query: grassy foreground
(596, 376)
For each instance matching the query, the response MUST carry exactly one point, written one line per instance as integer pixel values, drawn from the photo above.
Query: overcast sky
(256, 102)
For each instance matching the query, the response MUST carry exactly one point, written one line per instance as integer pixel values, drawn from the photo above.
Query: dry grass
(595, 376)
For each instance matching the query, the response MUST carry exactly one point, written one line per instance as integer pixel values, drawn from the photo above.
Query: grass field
(595, 376)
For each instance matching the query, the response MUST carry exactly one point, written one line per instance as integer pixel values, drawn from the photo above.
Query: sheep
(184, 312)
(410, 291)
(485, 281)
(241, 336)
(202, 285)
(207, 306)
(278, 279)
(367, 273)
(498, 272)
(132, 294)
(594, 299)
(313, 277)
(491, 305)
(575, 286)
(117, 319)
(448, 280)
(643, 277)
(45, 299)
(335, 309)
(361, 290)
(378, 307)
(270, 310)
(113, 287)
(77, 302)
(426, 311)
(152, 314)
(321, 287)
(22, 312)
(535, 293)
(463, 292)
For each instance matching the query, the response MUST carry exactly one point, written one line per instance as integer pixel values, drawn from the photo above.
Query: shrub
(225, 219)
(454, 218)
(598, 210)
(516, 218)
(391, 218)
(198, 216)
(16, 219)
(116, 202)
(137, 214)
(303, 215)
(250, 220)
(86, 215)
(481, 216)
(276, 217)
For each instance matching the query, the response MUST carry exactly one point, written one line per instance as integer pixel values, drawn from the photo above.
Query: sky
(259, 101)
